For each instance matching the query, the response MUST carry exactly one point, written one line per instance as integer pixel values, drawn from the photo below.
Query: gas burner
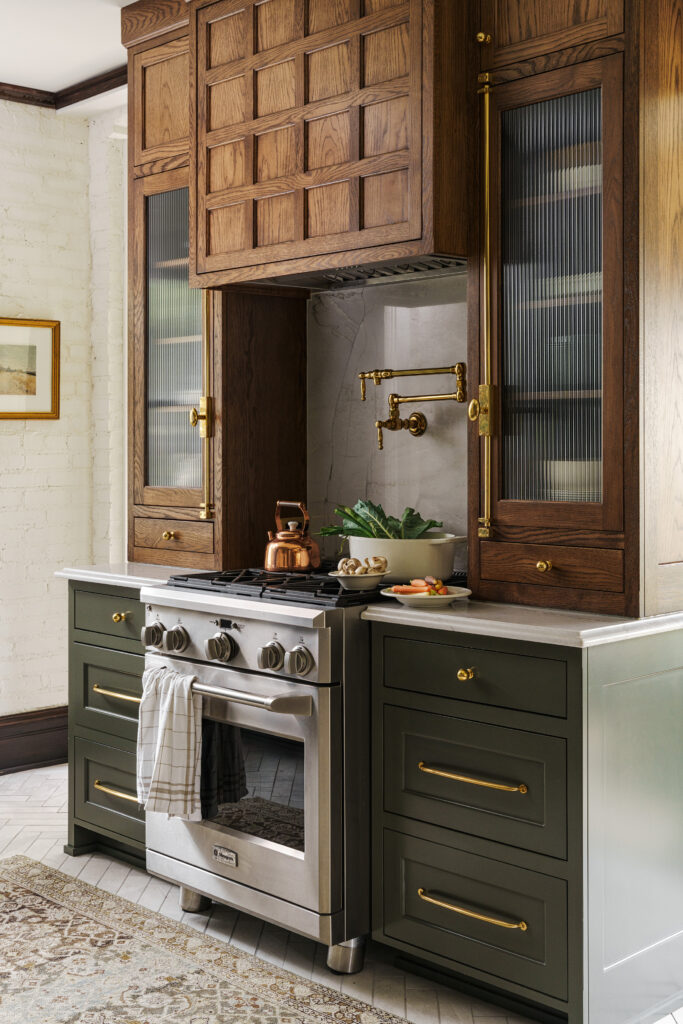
(309, 588)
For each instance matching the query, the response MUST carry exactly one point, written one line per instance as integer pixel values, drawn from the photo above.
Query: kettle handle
(293, 504)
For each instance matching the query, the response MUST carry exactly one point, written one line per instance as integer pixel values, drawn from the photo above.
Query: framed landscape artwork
(29, 369)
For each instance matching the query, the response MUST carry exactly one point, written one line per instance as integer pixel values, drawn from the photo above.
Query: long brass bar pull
(506, 787)
(115, 693)
(483, 410)
(204, 418)
(445, 905)
(114, 792)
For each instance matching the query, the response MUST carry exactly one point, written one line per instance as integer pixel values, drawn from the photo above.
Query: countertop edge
(562, 635)
(124, 574)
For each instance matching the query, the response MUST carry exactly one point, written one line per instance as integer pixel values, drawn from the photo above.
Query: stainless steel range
(284, 660)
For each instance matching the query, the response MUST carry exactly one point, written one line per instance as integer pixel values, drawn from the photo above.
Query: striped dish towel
(169, 752)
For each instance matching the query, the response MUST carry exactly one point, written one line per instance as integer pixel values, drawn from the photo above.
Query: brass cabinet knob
(119, 616)
(544, 566)
(464, 674)
(473, 409)
(484, 38)
(194, 417)
(169, 535)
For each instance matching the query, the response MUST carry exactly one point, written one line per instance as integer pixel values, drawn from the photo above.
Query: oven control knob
(270, 657)
(220, 647)
(298, 661)
(152, 636)
(175, 640)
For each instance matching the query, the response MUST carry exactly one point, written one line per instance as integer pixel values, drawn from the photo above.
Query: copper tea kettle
(293, 549)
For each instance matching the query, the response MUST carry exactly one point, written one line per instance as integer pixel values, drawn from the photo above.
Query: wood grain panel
(276, 219)
(329, 72)
(329, 209)
(275, 88)
(372, 6)
(229, 228)
(187, 536)
(148, 19)
(277, 22)
(227, 102)
(386, 54)
(227, 38)
(166, 110)
(386, 126)
(385, 199)
(324, 14)
(160, 101)
(278, 153)
(329, 140)
(526, 28)
(583, 568)
(227, 165)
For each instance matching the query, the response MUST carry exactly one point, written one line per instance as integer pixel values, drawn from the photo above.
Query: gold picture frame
(29, 369)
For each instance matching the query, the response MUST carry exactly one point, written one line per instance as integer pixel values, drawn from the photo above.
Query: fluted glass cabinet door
(167, 352)
(557, 334)
(174, 346)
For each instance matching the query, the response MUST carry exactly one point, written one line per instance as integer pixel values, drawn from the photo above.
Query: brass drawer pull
(115, 792)
(119, 616)
(484, 38)
(464, 674)
(424, 895)
(544, 566)
(520, 787)
(169, 535)
(114, 693)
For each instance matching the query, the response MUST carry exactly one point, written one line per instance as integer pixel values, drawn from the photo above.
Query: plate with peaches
(429, 592)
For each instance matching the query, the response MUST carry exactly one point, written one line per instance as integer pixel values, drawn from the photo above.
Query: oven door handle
(282, 704)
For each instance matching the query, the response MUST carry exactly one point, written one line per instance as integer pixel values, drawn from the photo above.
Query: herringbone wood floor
(33, 813)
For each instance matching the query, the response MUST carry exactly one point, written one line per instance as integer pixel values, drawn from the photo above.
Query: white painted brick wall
(49, 469)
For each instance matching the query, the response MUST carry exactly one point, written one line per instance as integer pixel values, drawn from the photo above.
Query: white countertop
(519, 622)
(122, 574)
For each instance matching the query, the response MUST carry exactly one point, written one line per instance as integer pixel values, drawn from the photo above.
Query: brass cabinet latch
(480, 410)
(204, 417)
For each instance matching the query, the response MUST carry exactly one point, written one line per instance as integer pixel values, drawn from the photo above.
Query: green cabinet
(477, 823)
(106, 662)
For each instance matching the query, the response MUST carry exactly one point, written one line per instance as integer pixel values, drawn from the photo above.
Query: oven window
(253, 782)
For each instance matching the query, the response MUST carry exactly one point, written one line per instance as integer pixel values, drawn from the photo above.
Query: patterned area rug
(73, 954)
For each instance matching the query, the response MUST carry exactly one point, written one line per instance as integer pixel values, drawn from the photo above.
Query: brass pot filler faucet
(416, 423)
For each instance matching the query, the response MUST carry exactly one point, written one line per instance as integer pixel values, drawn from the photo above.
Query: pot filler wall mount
(280, 659)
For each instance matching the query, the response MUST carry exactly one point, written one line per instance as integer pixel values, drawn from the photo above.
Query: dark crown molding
(65, 97)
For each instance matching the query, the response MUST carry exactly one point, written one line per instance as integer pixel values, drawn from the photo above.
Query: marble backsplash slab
(409, 324)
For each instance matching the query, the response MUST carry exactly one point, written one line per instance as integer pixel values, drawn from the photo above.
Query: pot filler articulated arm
(416, 423)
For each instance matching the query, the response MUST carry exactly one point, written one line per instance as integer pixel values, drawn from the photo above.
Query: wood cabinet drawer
(105, 789)
(104, 689)
(502, 680)
(582, 568)
(417, 872)
(109, 614)
(529, 812)
(174, 535)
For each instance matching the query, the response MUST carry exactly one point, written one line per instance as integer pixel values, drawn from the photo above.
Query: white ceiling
(51, 44)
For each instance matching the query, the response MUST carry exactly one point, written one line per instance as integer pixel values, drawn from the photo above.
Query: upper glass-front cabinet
(174, 347)
(556, 335)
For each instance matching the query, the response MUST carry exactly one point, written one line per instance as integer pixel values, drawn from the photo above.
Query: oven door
(283, 835)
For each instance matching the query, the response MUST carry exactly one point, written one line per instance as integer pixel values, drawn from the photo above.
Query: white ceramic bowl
(427, 601)
(431, 555)
(366, 581)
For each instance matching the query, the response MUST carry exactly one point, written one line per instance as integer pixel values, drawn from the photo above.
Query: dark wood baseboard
(33, 740)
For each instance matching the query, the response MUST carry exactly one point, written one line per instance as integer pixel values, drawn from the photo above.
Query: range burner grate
(315, 588)
(311, 588)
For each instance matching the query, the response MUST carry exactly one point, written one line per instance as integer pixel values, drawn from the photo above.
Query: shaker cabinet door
(520, 29)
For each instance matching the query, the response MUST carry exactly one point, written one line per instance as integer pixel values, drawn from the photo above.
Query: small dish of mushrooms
(356, 575)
